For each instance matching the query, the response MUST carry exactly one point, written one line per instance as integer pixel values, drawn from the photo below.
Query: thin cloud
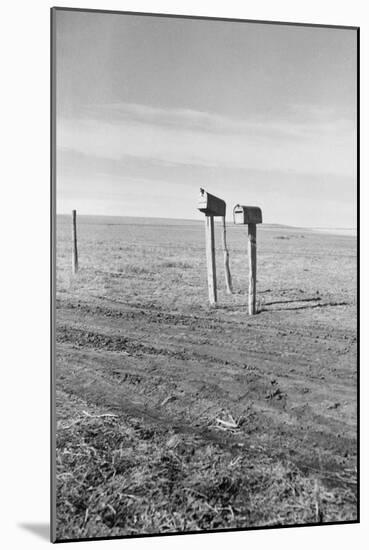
(306, 142)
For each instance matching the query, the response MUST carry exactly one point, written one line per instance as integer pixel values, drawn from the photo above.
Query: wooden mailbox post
(213, 206)
(250, 215)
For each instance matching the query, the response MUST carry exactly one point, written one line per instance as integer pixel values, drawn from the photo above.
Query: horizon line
(197, 220)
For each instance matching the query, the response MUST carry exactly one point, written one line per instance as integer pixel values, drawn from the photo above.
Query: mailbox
(211, 205)
(246, 214)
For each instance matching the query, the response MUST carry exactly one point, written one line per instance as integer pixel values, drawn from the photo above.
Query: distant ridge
(152, 220)
(155, 219)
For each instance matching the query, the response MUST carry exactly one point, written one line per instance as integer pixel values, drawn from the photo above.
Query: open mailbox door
(247, 214)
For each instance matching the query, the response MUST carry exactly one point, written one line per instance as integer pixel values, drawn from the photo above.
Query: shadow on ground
(329, 304)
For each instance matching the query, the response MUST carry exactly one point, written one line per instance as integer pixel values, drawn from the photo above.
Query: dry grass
(118, 476)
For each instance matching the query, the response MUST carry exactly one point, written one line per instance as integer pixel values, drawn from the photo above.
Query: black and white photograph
(205, 274)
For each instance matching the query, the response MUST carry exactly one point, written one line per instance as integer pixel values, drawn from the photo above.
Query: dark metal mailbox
(247, 214)
(211, 205)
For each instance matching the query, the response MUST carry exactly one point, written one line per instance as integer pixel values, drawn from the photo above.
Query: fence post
(74, 242)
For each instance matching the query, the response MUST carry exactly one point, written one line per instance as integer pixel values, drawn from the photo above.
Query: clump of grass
(175, 264)
(134, 269)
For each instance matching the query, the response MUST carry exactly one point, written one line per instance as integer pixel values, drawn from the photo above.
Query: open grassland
(172, 416)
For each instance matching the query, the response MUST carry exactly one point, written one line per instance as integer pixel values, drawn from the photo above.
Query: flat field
(172, 416)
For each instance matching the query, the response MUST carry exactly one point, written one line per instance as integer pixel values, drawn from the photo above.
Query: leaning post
(74, 242)
(250, 215)
(211, 206)
(227, 272)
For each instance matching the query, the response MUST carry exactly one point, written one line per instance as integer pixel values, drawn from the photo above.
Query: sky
(150, 109)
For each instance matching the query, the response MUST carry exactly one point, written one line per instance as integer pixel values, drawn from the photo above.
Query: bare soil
(217, 419)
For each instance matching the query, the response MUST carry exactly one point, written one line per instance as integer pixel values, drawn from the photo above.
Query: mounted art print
(204, 274)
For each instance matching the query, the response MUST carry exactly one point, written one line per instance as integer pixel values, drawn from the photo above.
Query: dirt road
(136, 338)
